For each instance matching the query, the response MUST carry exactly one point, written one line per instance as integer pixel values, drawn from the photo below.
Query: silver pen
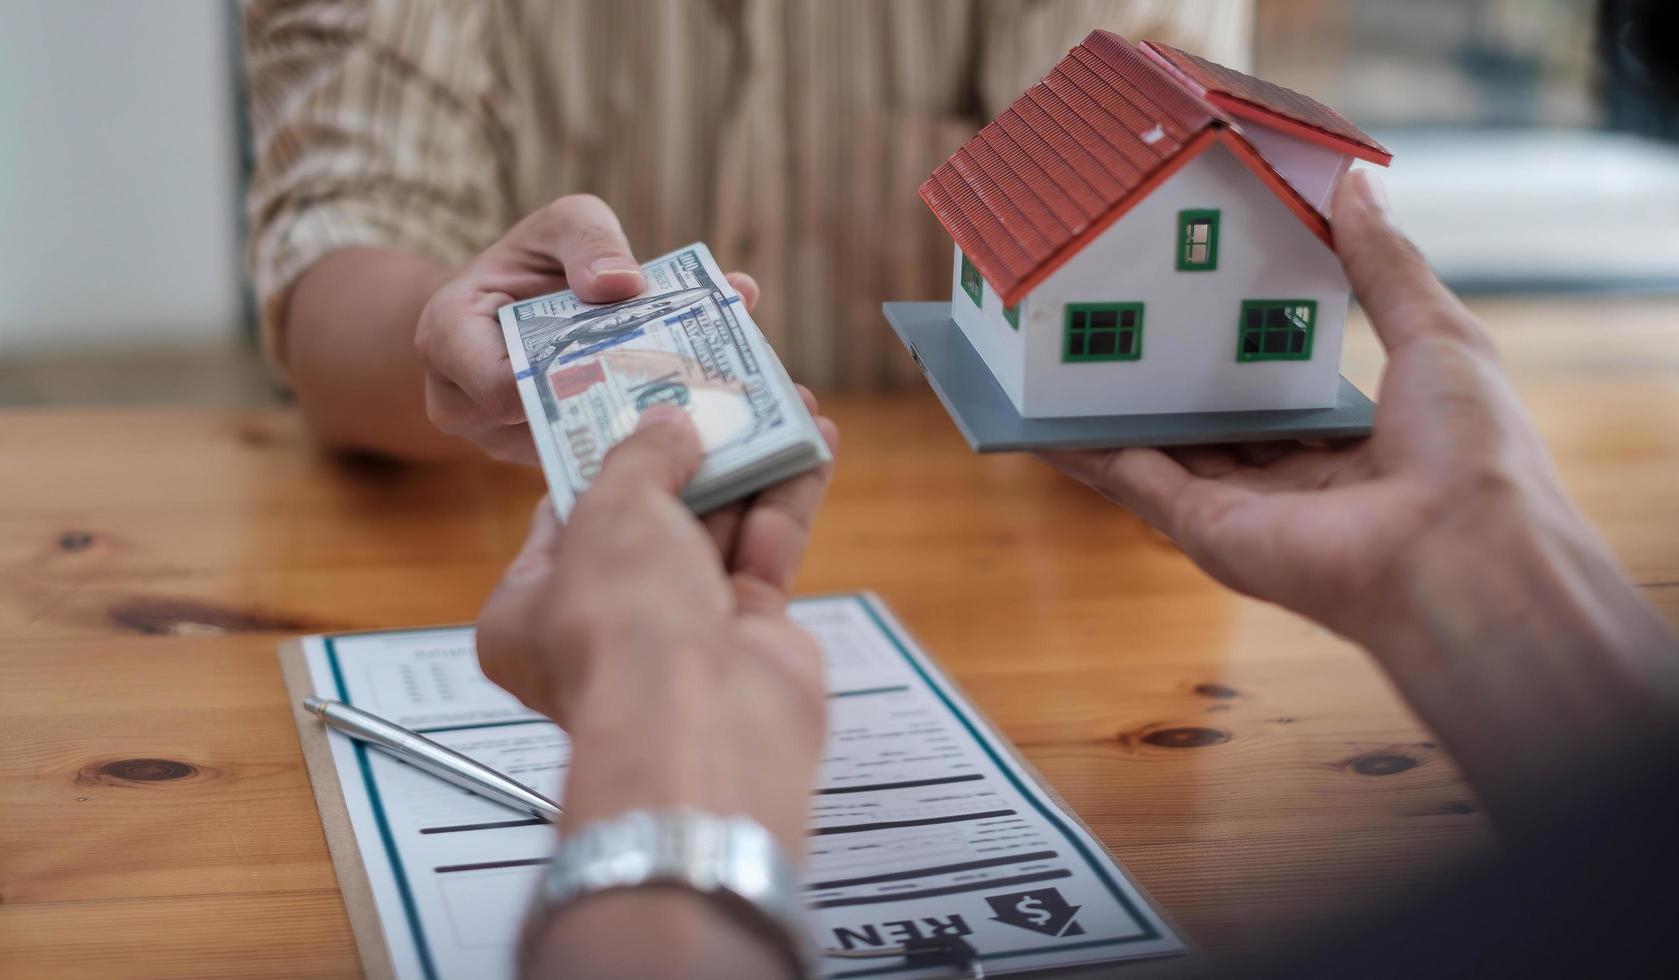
(439, 760)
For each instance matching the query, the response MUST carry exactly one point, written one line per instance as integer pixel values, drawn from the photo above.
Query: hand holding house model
(1142, 257)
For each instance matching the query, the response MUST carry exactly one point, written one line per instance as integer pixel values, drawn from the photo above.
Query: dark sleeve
(1590, 892)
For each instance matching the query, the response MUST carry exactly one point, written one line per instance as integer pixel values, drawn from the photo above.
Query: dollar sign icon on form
(1032, 910)
(1042, 910)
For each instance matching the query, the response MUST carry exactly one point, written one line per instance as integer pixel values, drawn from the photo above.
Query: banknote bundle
(587, 372)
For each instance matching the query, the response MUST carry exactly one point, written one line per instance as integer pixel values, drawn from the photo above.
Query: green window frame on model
(1103, 332)
(1198, 240)
(972, 283)
(1276, 330)
(1012, 315)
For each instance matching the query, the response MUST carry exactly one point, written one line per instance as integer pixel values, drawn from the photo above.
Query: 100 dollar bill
(587, 372)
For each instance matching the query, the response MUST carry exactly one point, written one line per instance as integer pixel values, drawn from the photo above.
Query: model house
(1145, 232)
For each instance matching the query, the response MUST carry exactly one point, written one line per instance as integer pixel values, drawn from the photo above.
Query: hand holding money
(639, 614)
(470, 390)
(587, 372)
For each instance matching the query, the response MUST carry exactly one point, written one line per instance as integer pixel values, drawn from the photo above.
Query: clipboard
(353, 883)
(369, 930)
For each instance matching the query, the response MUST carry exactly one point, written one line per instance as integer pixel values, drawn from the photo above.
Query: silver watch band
(732, 861)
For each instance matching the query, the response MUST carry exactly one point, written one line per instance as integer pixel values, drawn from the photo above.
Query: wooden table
(1255, 773)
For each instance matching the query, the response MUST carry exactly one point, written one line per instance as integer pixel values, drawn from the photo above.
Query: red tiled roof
(1245, 96)
(1105, 127)
(1087, 136)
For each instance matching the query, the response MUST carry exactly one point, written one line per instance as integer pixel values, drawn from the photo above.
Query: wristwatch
(732, 861)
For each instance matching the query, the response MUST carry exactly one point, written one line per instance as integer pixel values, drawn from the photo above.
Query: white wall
(1190, 318)
(1000, 345)
(1315, 171)
(118, 174)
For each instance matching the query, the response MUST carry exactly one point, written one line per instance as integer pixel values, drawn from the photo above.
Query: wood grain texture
(299, 935)
(1254, 772)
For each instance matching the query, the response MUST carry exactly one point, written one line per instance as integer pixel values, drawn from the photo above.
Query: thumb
(1388, 275)
(535, 556)
(577, 237)
(663, 452)
(506, 642)
(521, 584)
(593, 249)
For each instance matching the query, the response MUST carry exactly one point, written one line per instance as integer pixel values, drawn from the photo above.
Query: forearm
(666, 737)
(348, 345)
(653, 933)
(1533, 667)
(663, 739)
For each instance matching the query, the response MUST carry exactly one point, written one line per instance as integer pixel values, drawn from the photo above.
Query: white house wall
(1313, 170)
(1190, 319)
(1001, 346)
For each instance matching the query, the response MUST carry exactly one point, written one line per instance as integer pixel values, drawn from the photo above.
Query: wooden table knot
(259, 436)
(1186, 737)
(162, 616)
(364, 465)
(1380, 763)
(75, 541)
(1219, 691)
(138, 771)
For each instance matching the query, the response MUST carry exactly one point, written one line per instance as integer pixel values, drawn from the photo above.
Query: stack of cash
(586, 373)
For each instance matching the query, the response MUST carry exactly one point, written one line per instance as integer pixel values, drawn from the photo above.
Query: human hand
(662, 643)
(575, 242)
(1335, 532)
(1443, 544)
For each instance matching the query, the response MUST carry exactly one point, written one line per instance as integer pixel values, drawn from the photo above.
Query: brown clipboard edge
(353, 883)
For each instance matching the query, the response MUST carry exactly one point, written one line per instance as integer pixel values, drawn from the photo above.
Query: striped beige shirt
(788, 134)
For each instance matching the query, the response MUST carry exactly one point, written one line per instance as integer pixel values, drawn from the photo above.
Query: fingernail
(1373, 192)
(614, 265)
(661, 415)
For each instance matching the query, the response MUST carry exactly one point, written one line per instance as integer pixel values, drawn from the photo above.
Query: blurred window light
(120, 197)
(1534, 140)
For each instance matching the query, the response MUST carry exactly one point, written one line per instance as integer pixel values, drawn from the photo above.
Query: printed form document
(923, 823)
